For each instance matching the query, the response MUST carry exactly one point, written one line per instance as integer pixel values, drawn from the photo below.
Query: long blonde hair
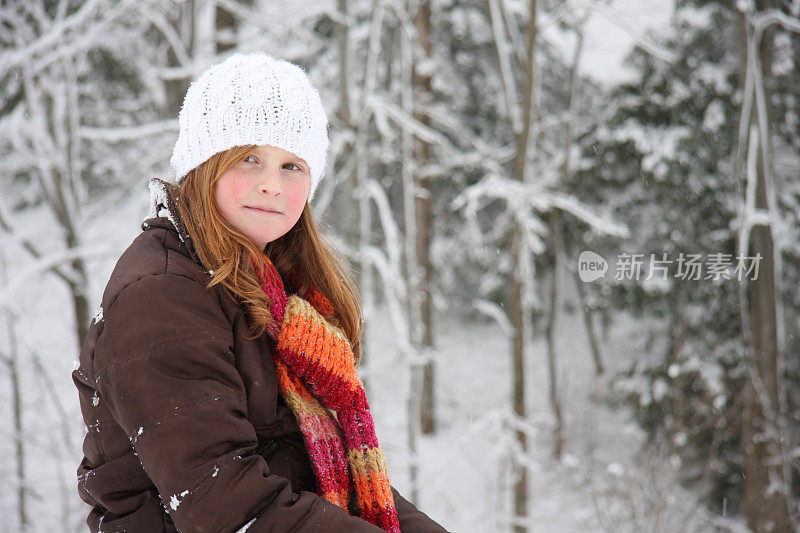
(230, 254)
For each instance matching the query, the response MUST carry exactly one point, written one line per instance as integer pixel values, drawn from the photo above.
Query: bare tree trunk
(765, 489)
(176, 88)
(517, 318)
(227, 24)
(552, 371)
(423, 203)
(585, 312)
(413, 403)
(366, 280)
(71, 184)
(587, 316)
(19, 442)
(62, 446)
(62, 187)
(517, 308)
(10, 359)
(557, 248)
(345, 116)
(80, 302)
(352, 212)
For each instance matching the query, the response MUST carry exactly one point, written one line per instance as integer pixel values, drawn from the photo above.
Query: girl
(218, 379)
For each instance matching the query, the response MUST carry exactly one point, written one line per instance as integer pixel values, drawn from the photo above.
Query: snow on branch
(383, 107)
(642, 40)
(388, 262)
(392, 282)
(495, 312)
(49, 41)
(169, 33)
(372, 190)
(518, 198)
(601, 224)
(129, 133)
(52, 263)
(506, 75)
(755, 134)
(302, 15)
(523, 198)
(764, 19)
(84, 29)
(481, 153)
(305, 10)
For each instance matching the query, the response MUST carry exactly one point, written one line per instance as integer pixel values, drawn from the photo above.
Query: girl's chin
(263, 240)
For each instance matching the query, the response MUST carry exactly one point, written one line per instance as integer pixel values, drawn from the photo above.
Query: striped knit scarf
(316, 375)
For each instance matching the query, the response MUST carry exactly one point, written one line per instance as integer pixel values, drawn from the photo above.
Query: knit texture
(251, 99)
(316, 375)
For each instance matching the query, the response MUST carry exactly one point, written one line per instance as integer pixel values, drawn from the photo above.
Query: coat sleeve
(411, 519)
(165, 368)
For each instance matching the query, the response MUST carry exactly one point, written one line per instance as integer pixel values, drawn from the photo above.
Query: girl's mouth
(264, 210)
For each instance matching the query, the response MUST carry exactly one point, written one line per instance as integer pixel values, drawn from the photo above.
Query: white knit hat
(251, 99)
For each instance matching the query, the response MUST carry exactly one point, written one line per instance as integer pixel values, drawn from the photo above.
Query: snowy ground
(44, 330)
(604, 482)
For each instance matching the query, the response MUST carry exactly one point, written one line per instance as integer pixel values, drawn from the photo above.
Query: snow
(714, 116)
(612, 31)
(673, 371)
(745, 6)
(244, 527)
(469, 463)
(657, 144)
(615, 469)
(466, 469)
(175, 500)
(174, 503)
(158, 202)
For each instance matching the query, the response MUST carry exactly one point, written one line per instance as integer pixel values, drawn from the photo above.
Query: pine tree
(662, 160)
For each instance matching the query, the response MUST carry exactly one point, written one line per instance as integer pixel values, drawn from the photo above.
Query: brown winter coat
(186, 430)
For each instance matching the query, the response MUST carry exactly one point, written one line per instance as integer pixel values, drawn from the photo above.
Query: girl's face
(263, 194)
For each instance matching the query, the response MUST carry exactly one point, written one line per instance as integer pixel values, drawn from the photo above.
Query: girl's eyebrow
(260, 151)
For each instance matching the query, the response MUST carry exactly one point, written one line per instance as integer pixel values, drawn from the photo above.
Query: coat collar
(164, 213)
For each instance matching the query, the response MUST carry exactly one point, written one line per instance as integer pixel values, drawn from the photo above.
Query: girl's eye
(294, 165)
(245, 160)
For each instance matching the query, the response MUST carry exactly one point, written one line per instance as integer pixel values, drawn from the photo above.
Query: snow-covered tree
(664, 160)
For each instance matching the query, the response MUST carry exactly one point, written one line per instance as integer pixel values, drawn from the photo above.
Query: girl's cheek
(298, 198)
(238, 185)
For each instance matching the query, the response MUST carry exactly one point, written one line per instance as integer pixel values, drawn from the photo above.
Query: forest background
(579, 275)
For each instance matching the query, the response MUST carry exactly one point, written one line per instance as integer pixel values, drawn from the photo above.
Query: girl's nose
(270, 183)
